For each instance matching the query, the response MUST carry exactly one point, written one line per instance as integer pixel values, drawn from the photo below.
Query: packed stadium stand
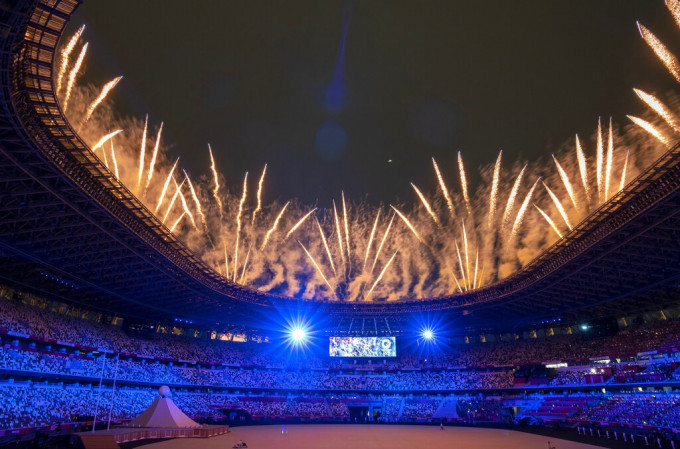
(62, 366)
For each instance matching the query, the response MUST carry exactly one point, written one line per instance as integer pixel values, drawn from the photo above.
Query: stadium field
(371, 437)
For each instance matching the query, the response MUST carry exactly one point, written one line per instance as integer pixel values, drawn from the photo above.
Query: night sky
(269, 82)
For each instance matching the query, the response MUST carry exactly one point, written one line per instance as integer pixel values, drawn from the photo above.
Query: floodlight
(298, 334)
(427, 334)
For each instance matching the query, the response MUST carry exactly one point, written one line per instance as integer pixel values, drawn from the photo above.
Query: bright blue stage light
(427, 334)
(298, 335)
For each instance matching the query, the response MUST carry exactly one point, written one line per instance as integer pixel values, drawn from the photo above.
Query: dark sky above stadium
(360, 95)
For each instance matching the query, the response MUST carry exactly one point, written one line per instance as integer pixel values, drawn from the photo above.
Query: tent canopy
(163, 413)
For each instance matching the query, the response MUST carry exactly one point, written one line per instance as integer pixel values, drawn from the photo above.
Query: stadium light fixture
(427, 334)
(298, 335)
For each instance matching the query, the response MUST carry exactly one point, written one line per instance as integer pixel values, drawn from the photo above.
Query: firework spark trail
(216, 189)
(165, 186)
(651, 129)
(610, 160)
(465, 247)
(382, 273)
(66, 54)
(172, 200)
(522, 210)
(462, 268)
(345, 219)
(623, 172)
(199, 209)
(316, 265)
(115, 161)
(178, 189)
(512, 197)
(463, 184)
(338, 232)
(661, 52)
(73, 75)
(370, 239)
(142, 152)
(299, 223)
(105, 139)
(154, 155)
(493, 197)
(238, 222)
(481, 278)
(174, 225)
(226, 262)
(185, 206)
(661, 109)
(674, 8)
(600, 159)
(474, 282)
(583, 168)
(245, 264)
(558, 205)
(428, 208)
(408, 224)
(550, 221)
(259, 194)
(274, 226)
(325, 245)
(235, 260)
(566, 182)
(382, 242)
(444, 189)
(453, 275)
(102, 96)
(106, 159)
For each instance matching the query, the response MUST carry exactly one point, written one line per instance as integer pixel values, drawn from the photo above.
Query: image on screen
(362, 347)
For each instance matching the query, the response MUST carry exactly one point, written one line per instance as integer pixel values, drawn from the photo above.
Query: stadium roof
(69, 229)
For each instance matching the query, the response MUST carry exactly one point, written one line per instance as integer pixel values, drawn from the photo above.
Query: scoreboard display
(377, 347)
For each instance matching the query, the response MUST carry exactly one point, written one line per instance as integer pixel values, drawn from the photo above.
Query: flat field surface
(369, 436)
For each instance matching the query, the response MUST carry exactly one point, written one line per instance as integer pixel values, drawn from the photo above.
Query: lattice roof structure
(70, 230)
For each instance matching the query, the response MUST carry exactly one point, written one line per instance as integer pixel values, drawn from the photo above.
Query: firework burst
(351, 251)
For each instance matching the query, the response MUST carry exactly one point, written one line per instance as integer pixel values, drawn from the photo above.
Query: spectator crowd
(209, 376)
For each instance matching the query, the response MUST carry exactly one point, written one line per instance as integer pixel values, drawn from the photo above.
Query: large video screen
(362, 347)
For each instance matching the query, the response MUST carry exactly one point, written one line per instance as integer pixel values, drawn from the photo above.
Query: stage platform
(351, 436)
(126, 434)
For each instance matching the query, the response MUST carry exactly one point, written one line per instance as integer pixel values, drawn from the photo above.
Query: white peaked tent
(163, 413)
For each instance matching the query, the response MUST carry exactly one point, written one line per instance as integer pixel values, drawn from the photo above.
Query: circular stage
(350, 436)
